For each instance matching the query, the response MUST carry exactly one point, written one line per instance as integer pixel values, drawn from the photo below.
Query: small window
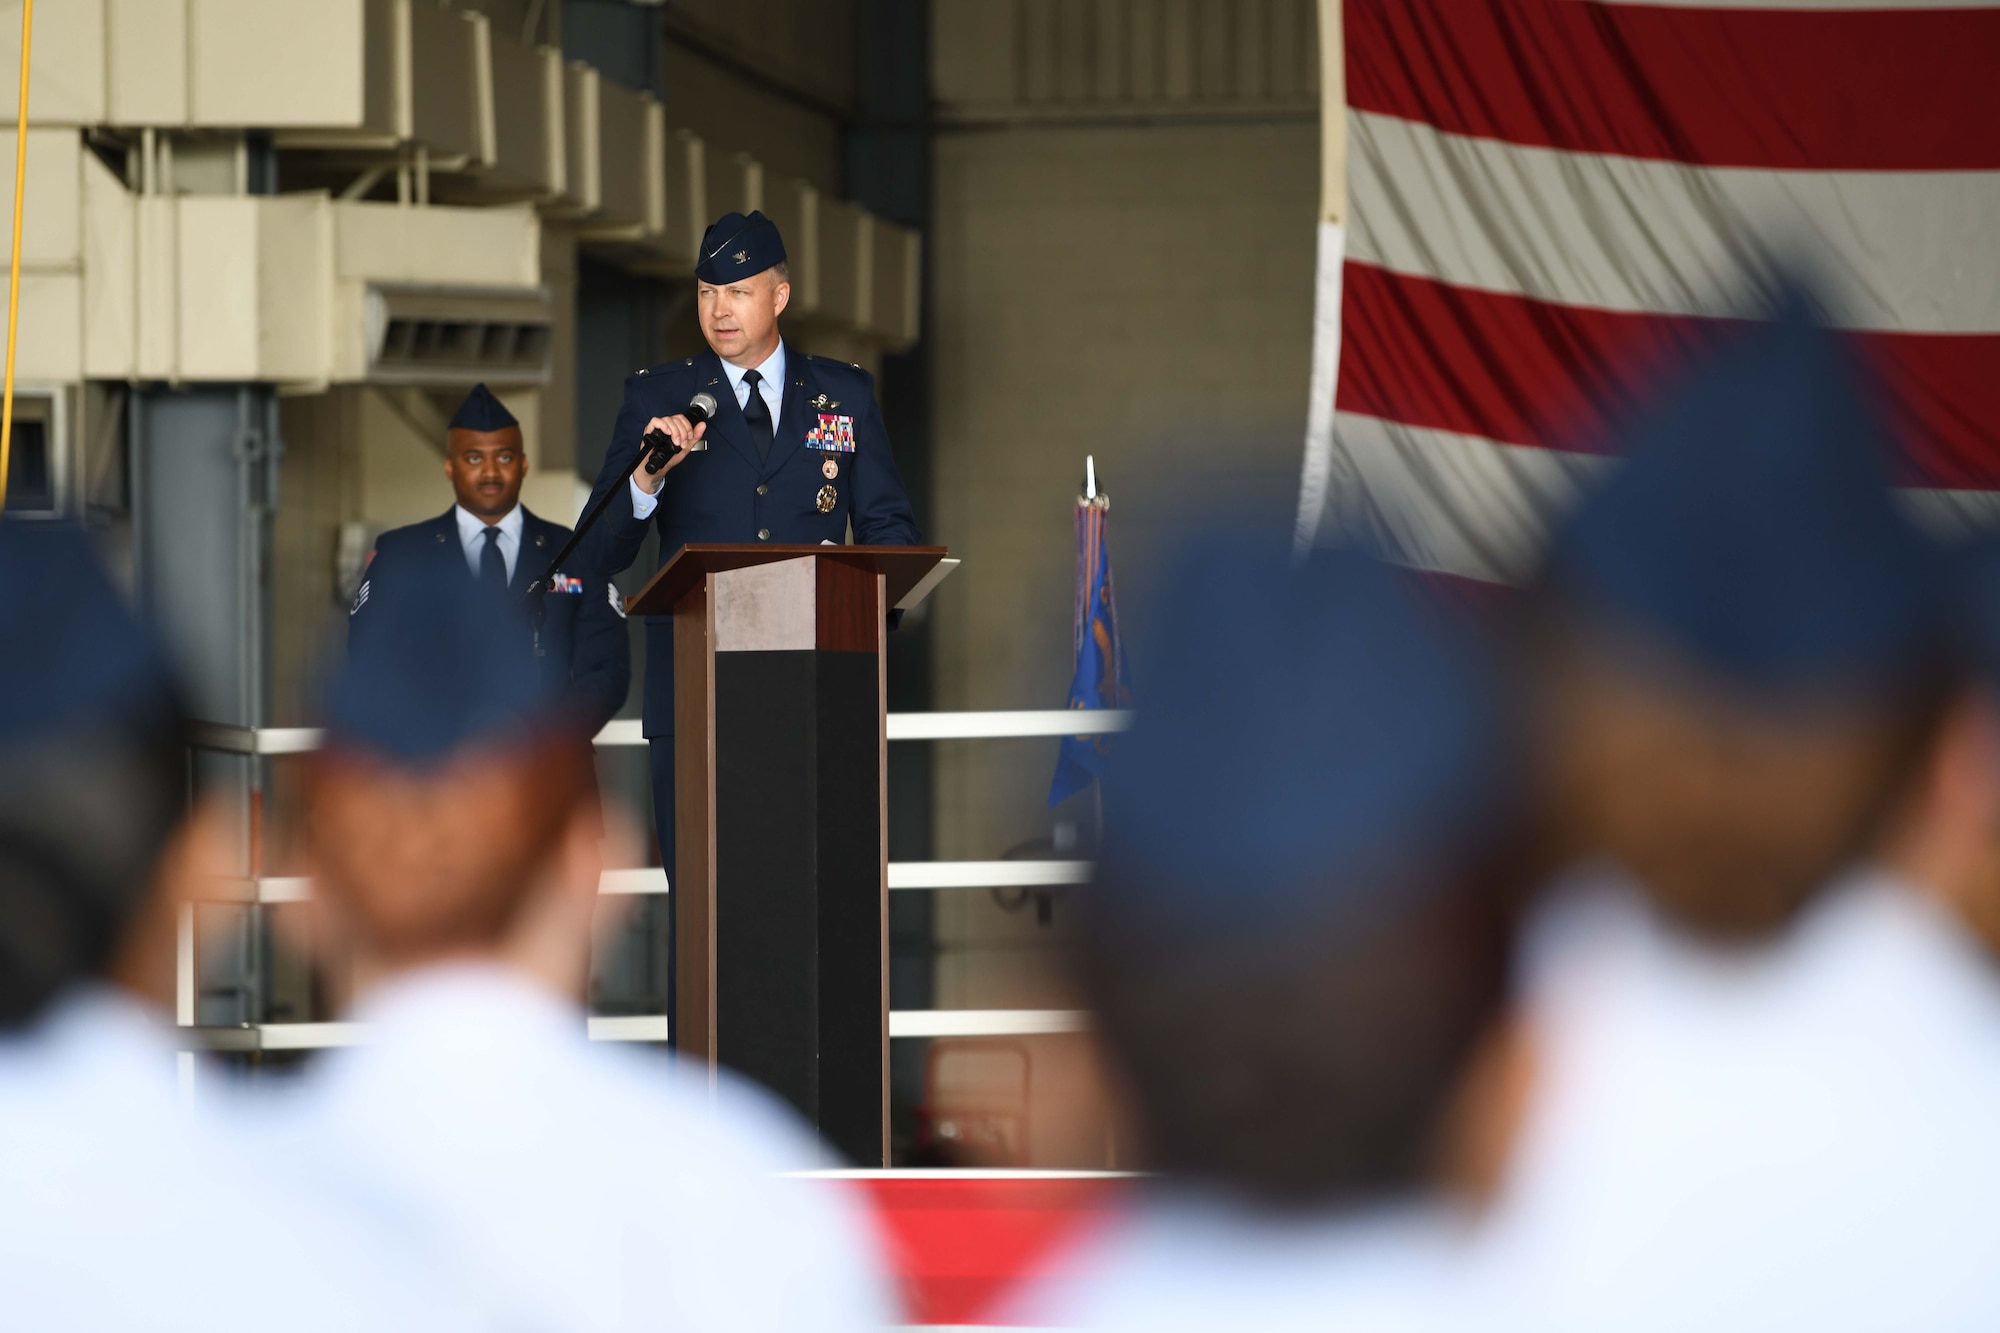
(31, 472)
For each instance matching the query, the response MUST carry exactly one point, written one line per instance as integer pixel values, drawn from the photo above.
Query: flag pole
(14, 263)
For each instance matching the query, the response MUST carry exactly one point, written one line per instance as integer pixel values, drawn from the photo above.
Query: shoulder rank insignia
(360, 597)
(617, 602)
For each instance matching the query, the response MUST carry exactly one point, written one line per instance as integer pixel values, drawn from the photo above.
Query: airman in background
(547, 1182)
(497, 548)
(1758, 1100)
(116, 1196)
(1297, 949)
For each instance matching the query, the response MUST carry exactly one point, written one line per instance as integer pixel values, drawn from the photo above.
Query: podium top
(902, 568)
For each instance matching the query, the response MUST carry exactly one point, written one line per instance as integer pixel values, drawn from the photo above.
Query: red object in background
(960, 1241)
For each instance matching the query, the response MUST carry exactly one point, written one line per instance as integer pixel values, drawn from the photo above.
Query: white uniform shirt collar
(467, 1004)
(472, 536)
(1176, 1256)
(771, 373)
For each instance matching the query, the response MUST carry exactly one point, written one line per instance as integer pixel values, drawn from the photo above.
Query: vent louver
(436, 335)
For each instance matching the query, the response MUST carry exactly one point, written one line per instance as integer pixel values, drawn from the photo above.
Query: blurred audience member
(1297, 947)
(1766, 1078)
(117, 1210)
(552, 1184)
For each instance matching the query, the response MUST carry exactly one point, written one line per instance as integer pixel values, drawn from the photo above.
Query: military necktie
(758, 414)
(492, 565)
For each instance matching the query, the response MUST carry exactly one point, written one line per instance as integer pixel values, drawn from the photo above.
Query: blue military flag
(1099, 679)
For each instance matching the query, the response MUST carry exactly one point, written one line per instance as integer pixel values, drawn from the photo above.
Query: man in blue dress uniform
(796, 453)
(501, 548)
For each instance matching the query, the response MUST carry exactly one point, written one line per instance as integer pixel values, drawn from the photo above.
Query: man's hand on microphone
(682, 432)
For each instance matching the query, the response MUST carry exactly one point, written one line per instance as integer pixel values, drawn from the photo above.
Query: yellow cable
(14, 265)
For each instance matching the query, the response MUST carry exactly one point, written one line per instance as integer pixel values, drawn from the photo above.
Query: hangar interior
(269, 243)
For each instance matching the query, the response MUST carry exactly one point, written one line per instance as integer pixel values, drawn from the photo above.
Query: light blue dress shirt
(472, 535)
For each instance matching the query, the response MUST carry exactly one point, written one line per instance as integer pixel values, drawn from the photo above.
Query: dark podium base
(798, 869)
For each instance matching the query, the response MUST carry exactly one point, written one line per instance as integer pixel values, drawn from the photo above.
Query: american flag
(1553, 201)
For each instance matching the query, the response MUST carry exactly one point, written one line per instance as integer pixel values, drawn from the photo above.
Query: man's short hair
(1317, 1069)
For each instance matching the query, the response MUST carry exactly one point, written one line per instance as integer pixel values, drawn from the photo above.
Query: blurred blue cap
(439, 665)
(75, 656)
(738, 247)
(481, 411)
(1752, 528)
(1310, 739)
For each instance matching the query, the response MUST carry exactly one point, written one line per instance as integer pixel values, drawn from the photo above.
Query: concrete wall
(1122, 248)
(1142, 294)
(734, 114)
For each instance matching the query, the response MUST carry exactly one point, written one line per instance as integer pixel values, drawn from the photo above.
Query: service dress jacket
(830, 465)
(586, 652)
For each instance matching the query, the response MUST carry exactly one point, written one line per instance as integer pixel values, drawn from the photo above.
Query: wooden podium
(780, 887)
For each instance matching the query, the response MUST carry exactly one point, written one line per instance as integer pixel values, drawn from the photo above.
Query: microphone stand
(663, 450)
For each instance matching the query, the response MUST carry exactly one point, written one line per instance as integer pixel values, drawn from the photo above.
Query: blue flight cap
(92, 764)
(1752, 530)
(481, 411)
(76, 658)
(444, 665)
(737, 247)
(1311, 740)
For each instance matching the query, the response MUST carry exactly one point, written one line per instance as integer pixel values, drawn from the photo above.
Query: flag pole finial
(1089, 477)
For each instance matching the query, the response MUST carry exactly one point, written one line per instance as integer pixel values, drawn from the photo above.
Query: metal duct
(445, 336)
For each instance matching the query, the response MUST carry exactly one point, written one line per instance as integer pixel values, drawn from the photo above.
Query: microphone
(700, 408)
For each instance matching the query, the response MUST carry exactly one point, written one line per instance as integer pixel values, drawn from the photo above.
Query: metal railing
(904, 876)
(628, 731)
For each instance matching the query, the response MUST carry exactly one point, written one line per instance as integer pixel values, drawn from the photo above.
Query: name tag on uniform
(564, 583)
(833, 434)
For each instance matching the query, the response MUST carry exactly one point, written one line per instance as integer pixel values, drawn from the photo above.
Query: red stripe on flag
(1530, 372)
(1867, 90)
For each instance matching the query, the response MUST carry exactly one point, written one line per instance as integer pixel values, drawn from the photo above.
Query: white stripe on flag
(1619, 233)
(1450, 503)
(1458, 504)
